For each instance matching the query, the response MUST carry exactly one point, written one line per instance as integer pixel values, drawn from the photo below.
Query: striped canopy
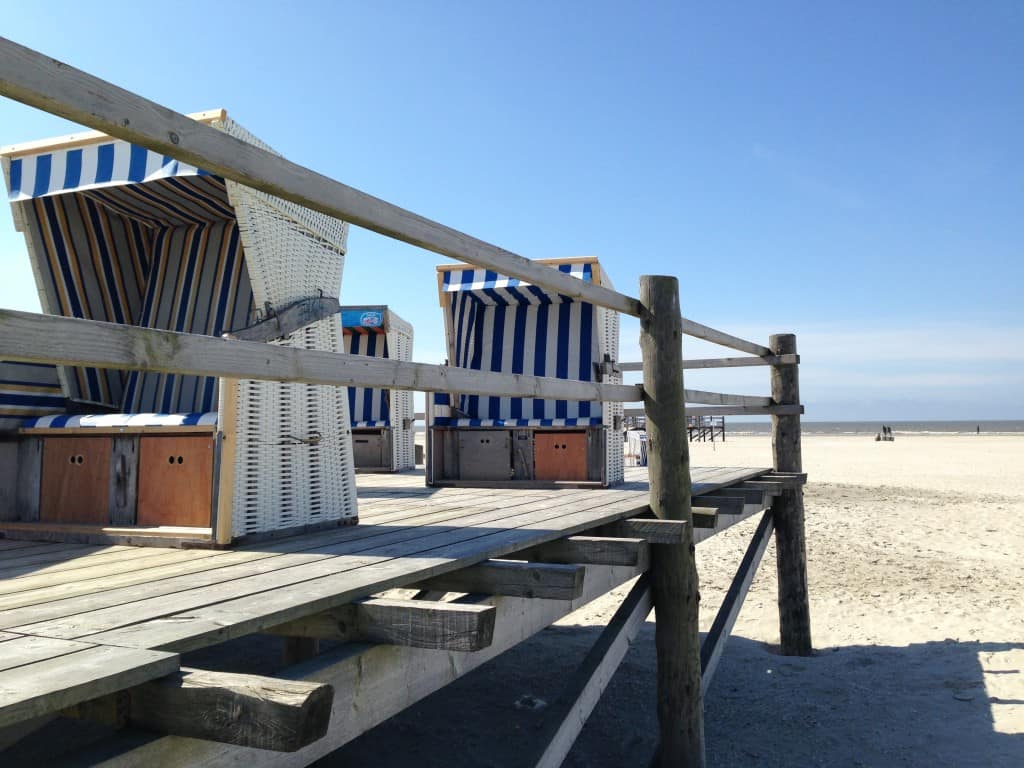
(498, 323)
(367, 407)
(121, 234)
(28, 390)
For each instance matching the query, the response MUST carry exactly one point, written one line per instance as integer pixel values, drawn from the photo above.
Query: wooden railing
(42, 82)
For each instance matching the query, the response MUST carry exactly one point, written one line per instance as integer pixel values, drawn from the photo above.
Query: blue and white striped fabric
(90, 167)
(128, 236)
(28, 390)
(491, 288)
(367, 407)
(505, 325)
(65, 421)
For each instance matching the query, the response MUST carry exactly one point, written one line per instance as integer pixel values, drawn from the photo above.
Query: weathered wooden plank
(567, 716)
(724, 362)
(374, 682)
(263, 570)
(414, 623)
(51, 685)
(734, 410)
(42, 82)
(589, 550)
(537, 580)
(289, 319)
(788, 510)
(714, 641)
(718, 398)
(652, 530)
(29, 337)
(674, 582)
(20, 650)
(245, 710)
(690, 328)
(254, 612)
(725, 504)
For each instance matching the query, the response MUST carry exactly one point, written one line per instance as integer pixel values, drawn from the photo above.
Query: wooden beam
(724, 362)
(716, 638)
(673, 571)
(496, 577)
(45, 83)
(413, 623)
(788, 510)
(726, 505)
(589, 550)
(569, 713)
(705, 517)
(245, 710)
(734, 410)
(373, 682)
(296, 649)
(718, 398)
(30, 337)
(653, 530)
(768, 487)
(690, 328)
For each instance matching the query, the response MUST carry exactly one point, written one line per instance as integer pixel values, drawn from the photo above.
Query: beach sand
(916, 567)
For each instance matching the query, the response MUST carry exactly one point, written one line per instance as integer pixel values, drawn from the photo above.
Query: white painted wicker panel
(402, 410)
(293, 458)
(294, 463)
(611, 413)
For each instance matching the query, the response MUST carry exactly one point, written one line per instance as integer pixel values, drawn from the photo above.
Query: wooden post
(788, 509)
(673, 570)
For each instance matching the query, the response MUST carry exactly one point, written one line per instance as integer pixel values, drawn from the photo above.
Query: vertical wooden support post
(673, 570)
(788, 509)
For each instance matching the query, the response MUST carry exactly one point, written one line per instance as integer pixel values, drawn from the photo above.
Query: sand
(916, 567)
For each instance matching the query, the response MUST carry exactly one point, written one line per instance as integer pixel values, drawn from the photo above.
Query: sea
(1009, 427)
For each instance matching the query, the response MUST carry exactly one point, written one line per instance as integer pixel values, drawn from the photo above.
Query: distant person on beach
(978, 428)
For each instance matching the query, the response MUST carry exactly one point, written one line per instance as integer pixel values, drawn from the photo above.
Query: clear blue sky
(853, 173)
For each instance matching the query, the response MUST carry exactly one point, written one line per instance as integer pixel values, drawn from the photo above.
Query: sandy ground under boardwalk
(916, 566)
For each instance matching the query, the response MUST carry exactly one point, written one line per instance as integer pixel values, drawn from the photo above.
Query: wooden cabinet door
(75, 484)
(176, 480)
(560, 455)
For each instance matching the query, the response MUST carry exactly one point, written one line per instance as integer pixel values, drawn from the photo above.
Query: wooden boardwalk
(78, 622)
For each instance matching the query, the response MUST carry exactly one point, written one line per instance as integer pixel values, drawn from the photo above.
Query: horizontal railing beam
(724, 362)
(718, 398)
(734, 410)
(50, 85)
(35, 338)
(698, 331)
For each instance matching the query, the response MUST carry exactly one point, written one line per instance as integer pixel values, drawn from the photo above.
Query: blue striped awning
(91, 167)
(491, 288)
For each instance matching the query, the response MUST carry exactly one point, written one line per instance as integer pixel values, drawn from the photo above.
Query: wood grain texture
(53, 684)
(412, 623)
(698, 331)
(589, 550)
(788, 510)
(245, 710)
(674, 582)
(652, 530)
(76, 480)
(175, 480)
(537, 580)
(723, 362)
(29, 337)
(50, 85)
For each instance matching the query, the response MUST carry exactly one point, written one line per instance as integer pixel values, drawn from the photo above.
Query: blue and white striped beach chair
(381, 419)
(497, 323)
(122, 234)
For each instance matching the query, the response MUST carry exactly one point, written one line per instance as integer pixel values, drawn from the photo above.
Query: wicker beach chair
(381, 419)
(121, 234)
(497, 323)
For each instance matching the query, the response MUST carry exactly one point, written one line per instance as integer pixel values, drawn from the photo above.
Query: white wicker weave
(399, 336)
(611, 412)
(293, 455)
